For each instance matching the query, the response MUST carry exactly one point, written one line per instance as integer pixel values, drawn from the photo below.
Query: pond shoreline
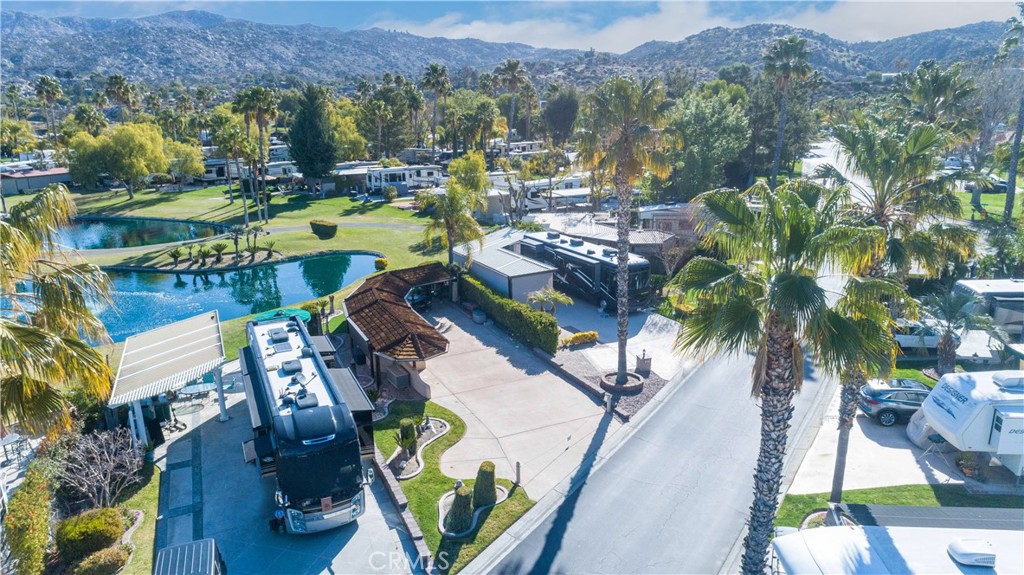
(95, 218)
(221, 269)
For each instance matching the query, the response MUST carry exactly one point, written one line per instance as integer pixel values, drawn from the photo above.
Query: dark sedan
(889, 401)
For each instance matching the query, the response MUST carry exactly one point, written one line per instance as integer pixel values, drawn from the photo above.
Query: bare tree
(101, 466)
(672, 253)
(992, 104)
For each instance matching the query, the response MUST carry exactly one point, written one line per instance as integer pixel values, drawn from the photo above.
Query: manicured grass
(145, 499)
(795, 507)
(992, 203)
(424, 490)
(911, 373)
(210, 204)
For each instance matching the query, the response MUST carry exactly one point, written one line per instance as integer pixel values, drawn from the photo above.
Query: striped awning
(168, 358)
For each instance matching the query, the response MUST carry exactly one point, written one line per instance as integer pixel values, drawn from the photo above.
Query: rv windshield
(336, 471)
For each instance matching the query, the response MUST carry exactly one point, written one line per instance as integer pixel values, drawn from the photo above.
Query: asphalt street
(674, 497)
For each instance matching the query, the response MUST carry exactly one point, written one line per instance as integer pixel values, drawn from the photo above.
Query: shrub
(536, 328)
(406, 436)
(658, 282)
(176, 254)
(380, 264)
(390, 194)
(484, 492)
(26, 524)
(219, 248)
(103, 562)
(460, 516)
(578, 338)
(324, 229)
(88, 532)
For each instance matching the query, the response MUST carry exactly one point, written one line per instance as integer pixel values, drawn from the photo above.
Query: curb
(402, 504)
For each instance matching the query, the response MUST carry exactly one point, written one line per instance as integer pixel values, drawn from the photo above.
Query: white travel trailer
(1004, 300)
(981, 411)
(220, 169)
(403, 178)
(278, 153)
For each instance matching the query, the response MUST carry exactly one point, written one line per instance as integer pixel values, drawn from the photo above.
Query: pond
(86, 234)
(145, 300)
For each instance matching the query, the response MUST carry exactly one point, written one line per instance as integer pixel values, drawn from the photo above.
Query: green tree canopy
(313, 141)
(134, 151)
(183, 160)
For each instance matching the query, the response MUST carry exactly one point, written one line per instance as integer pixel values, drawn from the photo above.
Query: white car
(918, 335)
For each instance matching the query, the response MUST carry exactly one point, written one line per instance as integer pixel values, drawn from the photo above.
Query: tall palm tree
(90, 119)
(625, 140)
(244, 105)
(230, 142)
(528, 94)
(764, 297)
(12, 94)
(118, 90)
(48, 89)
(486, 114)
(435, 79)
(414, 101)
(786, 62)
(548, 297)
(46, 300)
(511, 75)
(938, 96)
(1014, 42)
(954, 314)
(151, 101)
(264, 102)
(453, 219)
(380, 112)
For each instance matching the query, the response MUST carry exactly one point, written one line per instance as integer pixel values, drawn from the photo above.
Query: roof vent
(576, 242)
(609, 252)
(590, 252)
(554, 235)
(291, 366)
(1012, 379)
(563, 241)
(307, 351)
(972, 552)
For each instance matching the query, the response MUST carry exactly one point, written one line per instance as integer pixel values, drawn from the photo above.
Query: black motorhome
(589, 269)
(312, 427)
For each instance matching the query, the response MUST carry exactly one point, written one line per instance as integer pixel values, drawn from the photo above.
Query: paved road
(674, 497)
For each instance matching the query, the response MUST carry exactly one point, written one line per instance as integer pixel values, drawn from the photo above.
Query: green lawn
(424, 490)
(145, 499)
(911, 373)
(992, 203)
(795, 508)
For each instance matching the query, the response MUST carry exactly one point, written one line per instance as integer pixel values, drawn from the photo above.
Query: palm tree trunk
(622, 273)
(263, 174)
(778, 139)
(946, 351)
(227, 172)
(852, 380)
(776, 394)
(511, 122)
(433, 127)
(1011, 172)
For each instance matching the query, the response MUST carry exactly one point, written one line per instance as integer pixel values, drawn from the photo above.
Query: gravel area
(576, 364)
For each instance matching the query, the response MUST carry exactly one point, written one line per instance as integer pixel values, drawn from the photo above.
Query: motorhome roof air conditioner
(609, 252)
(576, 242)
(554, 235)
(1009, 380)
(972, 552)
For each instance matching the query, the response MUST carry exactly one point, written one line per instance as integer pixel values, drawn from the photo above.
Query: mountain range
(197, 46)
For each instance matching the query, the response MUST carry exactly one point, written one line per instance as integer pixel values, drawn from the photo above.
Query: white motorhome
(1004, 300)
(278, 153)
(220, 169)
(981, 411)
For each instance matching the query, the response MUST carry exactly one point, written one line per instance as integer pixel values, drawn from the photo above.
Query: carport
(166, 359)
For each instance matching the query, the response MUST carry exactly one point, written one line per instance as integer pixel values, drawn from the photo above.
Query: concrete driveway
(515, 408)
(208, 491)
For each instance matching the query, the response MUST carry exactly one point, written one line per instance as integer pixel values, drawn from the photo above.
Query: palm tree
(511, 75)
(219, 248)
(452, 219)
(764, 297)
(528, 93)
(48, 89)
(47, 300)
(118, 90)
(435, 79)
(90, 119)
(548, 296)
(236, 232)
(414, 101)
(785, 61)
(1013, 42)
(627, 118)
(954, 314)
(13, 95)
(230, 142)
(937, 96)
(244, 105)
(486, 114)
(380, 112)
(264, 106)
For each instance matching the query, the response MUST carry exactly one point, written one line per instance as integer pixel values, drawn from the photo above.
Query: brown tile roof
(378, 308)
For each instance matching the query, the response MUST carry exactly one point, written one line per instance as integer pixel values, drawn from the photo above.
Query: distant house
(501, 267)
(22, 181)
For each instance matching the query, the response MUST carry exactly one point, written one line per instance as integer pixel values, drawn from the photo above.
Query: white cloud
(672, 21)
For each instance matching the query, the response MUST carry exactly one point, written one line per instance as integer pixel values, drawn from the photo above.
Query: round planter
(446, 500)
(634, 384)
(479, 316)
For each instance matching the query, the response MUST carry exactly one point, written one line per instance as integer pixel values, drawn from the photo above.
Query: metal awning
(168, 358)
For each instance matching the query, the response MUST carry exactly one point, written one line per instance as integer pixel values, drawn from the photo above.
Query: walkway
(515, 408)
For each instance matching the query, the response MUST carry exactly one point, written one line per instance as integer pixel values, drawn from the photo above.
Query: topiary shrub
(88, 532)
(579, 338)
(323, 229)
(536, 328)
(380, 264)
(484, 492)
(390, 194)
(460, 516)
(103, 562)
(406, 436)
(26, 524)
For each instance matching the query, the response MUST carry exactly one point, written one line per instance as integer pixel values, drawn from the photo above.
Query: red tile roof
(378, 308)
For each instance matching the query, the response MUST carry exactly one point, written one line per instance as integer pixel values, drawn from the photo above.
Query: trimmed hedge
(460, 516)
(536, 328)
(323, 228)
(88, 532)
(380, 264)
(390, 194)
(579, 338)
(27, 523)
(103, 562)
(484, 491)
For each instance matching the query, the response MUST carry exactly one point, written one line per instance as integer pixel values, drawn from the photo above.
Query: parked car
(991, 185)
(918, 335)
(889, 401)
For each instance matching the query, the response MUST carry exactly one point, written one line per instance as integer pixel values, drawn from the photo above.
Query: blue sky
(611, 26)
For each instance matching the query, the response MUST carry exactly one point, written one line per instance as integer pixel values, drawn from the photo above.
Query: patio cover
(168, 358)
